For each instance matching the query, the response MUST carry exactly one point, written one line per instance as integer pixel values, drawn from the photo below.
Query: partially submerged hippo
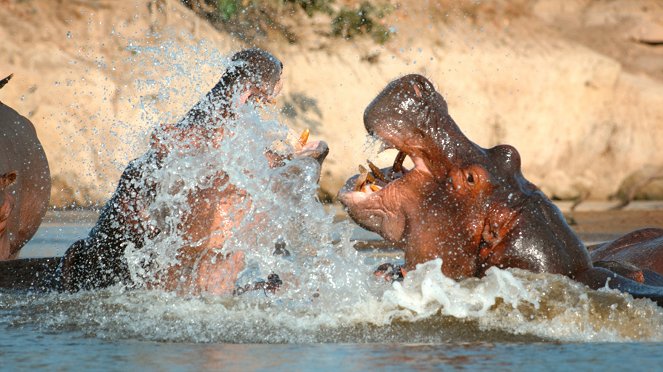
(25, 182)
(99, 260)
(468, 205)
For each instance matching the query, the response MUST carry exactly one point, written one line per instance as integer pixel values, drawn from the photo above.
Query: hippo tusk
(362, 179)
(369, 177)
(377, 172)
(398, 162)
(375, 188)
(303, 138)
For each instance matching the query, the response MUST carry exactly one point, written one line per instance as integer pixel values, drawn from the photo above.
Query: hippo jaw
(400, 117)
(378, 207)
(458, 201)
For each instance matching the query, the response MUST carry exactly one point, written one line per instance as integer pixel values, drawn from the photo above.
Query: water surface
(118, 329)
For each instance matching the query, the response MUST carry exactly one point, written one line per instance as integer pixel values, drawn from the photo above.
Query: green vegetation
(251, 19)
(349, 23)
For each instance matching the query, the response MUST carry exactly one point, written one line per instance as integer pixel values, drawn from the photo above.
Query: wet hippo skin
(468, 205)
(25, 182)
(99, 261)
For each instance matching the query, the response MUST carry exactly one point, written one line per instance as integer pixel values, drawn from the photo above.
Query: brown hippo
(99, 260)
(637, 255)
(468, 205)
(25, 181)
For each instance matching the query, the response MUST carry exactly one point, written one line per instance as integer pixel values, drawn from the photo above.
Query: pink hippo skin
(98, 260)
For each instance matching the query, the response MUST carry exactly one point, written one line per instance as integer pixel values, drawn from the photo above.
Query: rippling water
(509, 319)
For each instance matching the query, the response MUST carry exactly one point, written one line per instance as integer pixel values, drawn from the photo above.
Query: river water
(508, 320)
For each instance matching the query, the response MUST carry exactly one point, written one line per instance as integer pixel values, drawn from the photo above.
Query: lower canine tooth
(369, 177)
(398, 162)
(303, 138)
(361, 180)
(375, 188)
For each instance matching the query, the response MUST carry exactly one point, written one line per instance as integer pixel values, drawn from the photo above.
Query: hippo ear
(7, 179)
(507, 156)
(4, 81)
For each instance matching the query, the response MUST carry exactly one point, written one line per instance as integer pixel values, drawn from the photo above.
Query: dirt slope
(576, 86)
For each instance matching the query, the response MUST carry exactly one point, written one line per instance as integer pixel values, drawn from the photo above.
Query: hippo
(99, 260)
(25, 181)
(470, 206)
(637, 255)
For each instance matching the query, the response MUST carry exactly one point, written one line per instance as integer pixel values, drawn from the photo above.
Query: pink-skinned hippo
(99, 261)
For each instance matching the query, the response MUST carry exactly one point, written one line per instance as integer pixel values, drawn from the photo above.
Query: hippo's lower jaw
(373, 198)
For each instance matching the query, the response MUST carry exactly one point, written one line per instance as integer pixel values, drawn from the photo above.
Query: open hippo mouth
(444, 199)
(365, 194)
(367, 182)
(399, 117)
(375, 180)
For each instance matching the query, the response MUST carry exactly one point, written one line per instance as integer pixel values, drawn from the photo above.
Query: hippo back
(21, 151)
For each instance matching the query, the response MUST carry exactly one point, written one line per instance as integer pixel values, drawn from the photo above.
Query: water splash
(505, 305)
(329, 294)
(545, 305)
(277, 204)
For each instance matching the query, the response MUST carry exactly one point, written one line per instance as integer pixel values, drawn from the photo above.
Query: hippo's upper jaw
(459, 200)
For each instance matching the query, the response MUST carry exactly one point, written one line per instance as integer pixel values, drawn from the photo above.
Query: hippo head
(255, 75)
(459, 202)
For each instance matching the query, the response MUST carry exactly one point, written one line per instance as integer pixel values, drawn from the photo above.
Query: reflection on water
(26, 348)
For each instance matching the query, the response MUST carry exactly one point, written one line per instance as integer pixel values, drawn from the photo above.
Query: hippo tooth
(303, 138)
(361, 180)
(376, 172)
(375, 188)
(369, 177)
(398, 162)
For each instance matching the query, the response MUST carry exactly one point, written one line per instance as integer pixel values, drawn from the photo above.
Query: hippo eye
(470, 179)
